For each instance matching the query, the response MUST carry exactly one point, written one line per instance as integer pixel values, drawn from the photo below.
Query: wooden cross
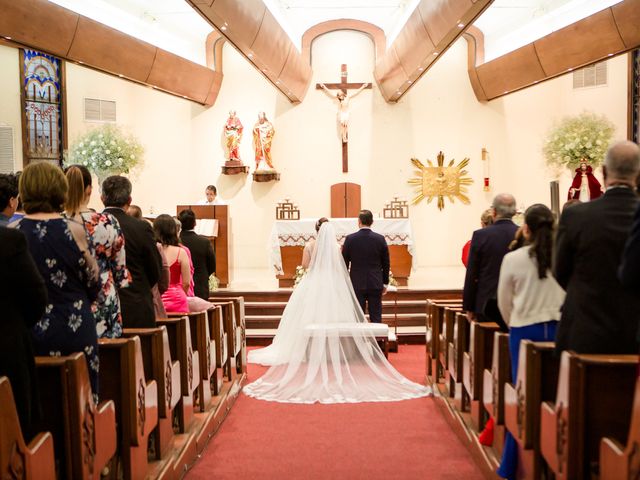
(344, 86)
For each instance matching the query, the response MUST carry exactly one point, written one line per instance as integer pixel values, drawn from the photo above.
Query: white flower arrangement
(106, 150)
(214, 283)
(586, 136)
(300, 272)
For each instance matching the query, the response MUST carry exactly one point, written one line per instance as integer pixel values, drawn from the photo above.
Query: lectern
(221, 242)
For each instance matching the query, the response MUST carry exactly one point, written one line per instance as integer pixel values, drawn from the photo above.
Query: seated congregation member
(60, 250)
(202, 256)
(135, 211)
(488, 246)
(486, 219)
(108, 247)
(529, 299)
(629, 273)
(599, 315)
(19, 213)
(8, 197)
(175, 298)
(23, 298)
(143, 260)
(163, 283)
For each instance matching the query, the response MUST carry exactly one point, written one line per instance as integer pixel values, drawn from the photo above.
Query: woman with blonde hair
(107, 244)
(60, 249)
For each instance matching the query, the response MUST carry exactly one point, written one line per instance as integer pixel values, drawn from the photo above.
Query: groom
(367, 257)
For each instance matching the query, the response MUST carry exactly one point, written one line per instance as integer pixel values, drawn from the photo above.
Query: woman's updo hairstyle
(320, 222)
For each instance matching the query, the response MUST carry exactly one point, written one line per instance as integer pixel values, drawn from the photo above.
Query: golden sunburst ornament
(440, 181)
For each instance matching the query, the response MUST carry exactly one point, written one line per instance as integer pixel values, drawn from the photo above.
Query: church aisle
(408, 439)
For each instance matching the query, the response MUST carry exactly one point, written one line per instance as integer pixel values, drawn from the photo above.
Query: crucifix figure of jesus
(343, 98)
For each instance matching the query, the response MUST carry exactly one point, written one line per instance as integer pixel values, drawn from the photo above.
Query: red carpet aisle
(403, 440)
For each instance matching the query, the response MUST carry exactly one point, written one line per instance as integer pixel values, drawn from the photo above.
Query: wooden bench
(434, 319)
(620, 461)
(235, 327)
(475, 361)
(84, 434)
(122, 380)
(446, 337)
(380, 331)
(227, 313)
(181, 347)
(159, 366)
(493, 387)
(594, 400)
(215, 317)
(34, 461)
(456, 349)
(537, 381)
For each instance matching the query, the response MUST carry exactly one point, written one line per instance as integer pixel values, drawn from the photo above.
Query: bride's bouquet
(300, 271)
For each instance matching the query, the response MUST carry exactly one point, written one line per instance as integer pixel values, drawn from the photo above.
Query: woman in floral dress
(107, 245)
(60, 250)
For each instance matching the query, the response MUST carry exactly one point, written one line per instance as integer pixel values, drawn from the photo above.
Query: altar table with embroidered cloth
(288, 238)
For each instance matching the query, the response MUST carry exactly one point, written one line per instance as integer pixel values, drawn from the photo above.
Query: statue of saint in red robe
(585, 185)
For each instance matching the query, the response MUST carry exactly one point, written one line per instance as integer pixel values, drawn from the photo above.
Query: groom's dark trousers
(367, 257)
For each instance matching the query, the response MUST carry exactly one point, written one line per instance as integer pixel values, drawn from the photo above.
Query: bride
(320, 352)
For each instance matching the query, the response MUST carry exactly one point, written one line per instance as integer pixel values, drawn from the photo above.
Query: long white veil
(319, 354)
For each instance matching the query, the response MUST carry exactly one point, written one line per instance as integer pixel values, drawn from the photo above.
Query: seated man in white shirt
(211, 197)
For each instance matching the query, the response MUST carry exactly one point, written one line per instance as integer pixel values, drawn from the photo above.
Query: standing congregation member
(60, 249)
(107, 244)
(23, 298)
(143, 260)
(8, 197)
(366, 256)
(529, 299)
(488, 246)
(599, 315)
(629, 273)
(202, 256)
(486, 219)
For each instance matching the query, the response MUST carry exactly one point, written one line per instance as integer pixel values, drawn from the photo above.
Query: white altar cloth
(289, 233)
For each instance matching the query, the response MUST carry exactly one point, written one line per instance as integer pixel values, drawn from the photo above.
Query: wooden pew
(446, 337)
(34, 461)
(84, 434)
(227, 314)
(236, 331)
(122, 379)
(434, 319)
(475, 361)
(537, 381)
(456, 348)
(216, 330)
(202, 342)
(594, 400)
(181, 346)
(620, 461)
(493, 387)
(159, 366)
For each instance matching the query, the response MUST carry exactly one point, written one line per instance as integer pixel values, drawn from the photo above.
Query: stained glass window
(42, 94)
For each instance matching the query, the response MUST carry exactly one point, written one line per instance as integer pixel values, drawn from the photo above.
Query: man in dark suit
(488, 246)
(599, 315)
(367, 257)
(202, 256)
(23, 298)
(629, 273)
(143, 258)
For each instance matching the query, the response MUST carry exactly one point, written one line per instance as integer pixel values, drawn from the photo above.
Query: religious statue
(262, 137)
(233, 134)
(585, 185)
(343, 108)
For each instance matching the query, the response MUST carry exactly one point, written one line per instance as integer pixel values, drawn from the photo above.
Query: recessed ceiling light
(420, 69)
(81, 63)
(121, 76)
(569, 69)
(223, 28)
(535, 81)
(264, 70)
(8, 38)
(435, 53)
(250, 55)
(277, 82)
(610, 55)
(505, 92)
(409, 82)
(460, 25)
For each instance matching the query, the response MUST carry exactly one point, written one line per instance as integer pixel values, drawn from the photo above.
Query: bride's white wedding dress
(312, 358)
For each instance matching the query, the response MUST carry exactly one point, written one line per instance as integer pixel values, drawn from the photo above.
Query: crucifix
(343, 107)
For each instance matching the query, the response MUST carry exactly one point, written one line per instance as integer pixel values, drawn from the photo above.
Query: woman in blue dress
(60, 250)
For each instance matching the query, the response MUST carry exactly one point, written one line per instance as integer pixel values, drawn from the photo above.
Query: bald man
(599, 315)
(488, 246)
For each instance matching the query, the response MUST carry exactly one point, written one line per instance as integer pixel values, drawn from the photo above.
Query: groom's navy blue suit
(367, 257)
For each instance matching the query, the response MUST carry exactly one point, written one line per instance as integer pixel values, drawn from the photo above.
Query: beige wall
(10, 97)
(184, 147)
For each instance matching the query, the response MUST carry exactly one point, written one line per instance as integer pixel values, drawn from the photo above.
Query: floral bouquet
(105, 151)
(393, 283)
(300, 271)
(213, 283)
(578, 138)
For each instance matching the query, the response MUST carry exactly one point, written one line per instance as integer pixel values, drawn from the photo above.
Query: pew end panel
(216, 330)
(34, 461)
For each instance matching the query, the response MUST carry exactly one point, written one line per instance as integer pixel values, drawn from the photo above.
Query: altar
(288, 238)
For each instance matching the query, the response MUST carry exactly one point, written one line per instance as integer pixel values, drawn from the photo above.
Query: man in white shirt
(212, 198)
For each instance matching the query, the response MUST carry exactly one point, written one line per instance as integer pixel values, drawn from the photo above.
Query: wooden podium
(221, 242)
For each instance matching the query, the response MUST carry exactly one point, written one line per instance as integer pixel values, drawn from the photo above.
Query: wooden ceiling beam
(44, 26)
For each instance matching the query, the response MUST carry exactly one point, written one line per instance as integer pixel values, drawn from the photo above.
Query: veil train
(321, 352)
